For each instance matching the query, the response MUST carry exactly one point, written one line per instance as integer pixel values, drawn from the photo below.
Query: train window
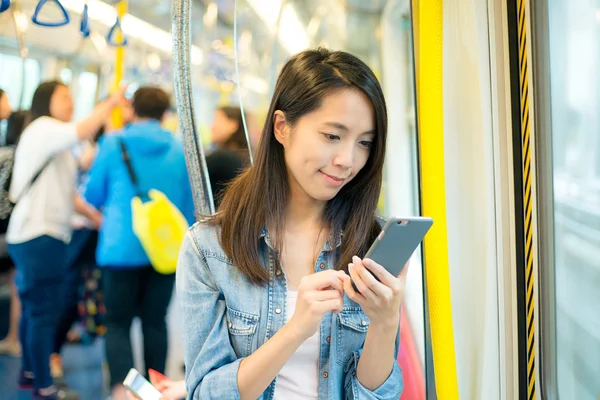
(19, 82)
(66, 75)
(574, 39)
(87, 85)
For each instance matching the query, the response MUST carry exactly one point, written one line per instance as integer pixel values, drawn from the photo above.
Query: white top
(298, 379)
(47, 206)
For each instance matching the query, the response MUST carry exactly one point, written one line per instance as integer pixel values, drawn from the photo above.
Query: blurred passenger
(259, 282)
(131, 285)
(16, 123)
(43, 187)
(81, 283)
(231, 154)
(5, 108)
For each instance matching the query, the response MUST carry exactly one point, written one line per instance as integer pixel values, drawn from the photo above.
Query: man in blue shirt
(131, 286)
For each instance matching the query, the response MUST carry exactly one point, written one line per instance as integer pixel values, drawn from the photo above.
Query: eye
(366, 144)
(331, 137)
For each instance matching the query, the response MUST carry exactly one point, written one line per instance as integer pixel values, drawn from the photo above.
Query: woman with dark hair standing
(43, 187)
(230, 156)
(268, 310)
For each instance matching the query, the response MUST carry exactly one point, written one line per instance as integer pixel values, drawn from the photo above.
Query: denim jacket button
(278, 272)
(325, 374)
(278, 311)
(363, 322)
(328, 339)
(230, 325)
(322, 266)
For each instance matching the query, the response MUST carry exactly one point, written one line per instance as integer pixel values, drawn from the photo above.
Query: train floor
(85, 368)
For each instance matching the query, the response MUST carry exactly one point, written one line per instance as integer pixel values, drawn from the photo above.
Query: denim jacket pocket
(242, 328)
(353, 325)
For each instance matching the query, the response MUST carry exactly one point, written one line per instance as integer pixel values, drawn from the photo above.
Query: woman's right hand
(318, 294)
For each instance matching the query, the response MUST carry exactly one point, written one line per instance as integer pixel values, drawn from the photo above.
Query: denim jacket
(226, 318)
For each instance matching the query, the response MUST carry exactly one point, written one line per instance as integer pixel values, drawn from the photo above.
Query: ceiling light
(21, 20)
(154, 61)
(292, 34)
(210, 16)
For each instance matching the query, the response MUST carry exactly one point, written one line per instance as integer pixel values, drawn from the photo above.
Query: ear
(281, 128)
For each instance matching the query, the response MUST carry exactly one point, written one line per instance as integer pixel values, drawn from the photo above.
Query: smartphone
(140, 387)
(397, 241)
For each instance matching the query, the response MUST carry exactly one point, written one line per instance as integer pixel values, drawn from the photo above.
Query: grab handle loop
(4, 5)
(85, 27)
(36, 15)
(112, 33)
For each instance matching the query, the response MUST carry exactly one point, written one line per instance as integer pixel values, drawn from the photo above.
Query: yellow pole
(429, 70)
(117, 115)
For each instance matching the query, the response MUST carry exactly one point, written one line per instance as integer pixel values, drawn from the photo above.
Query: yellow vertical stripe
(526, 94)
(428, 19)
(117, 115)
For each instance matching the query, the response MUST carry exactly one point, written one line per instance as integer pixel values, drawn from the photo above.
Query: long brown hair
(259, 197)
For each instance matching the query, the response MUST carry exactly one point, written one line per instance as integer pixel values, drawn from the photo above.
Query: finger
(323, 280)
(335, 305)
(378, 288)
(353, 294)
(324, 295)
(359, 283)
(380, 272)
(338, 284)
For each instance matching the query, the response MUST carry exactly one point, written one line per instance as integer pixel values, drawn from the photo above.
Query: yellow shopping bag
(160, 227)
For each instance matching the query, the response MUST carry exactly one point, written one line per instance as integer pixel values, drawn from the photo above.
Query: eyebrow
(344, 128)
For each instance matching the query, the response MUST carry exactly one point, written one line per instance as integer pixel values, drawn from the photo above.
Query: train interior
(491, 110)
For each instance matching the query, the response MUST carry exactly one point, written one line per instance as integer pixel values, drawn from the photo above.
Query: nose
(344, 157)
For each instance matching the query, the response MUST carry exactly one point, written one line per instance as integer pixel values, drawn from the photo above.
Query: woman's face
(328, 147)
(61, 104)
(5, 108)
(222, 128)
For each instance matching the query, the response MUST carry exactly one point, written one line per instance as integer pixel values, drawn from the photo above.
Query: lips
(334, 180)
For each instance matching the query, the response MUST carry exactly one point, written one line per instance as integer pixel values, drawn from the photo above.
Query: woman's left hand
(380, 300)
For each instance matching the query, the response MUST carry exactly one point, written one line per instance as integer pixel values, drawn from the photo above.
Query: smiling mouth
(333, 178)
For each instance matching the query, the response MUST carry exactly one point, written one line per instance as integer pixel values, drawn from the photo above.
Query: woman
(81, 283)
(17, 121)
(267, 309)
(43, 187)
(132, 287)
(231, 154)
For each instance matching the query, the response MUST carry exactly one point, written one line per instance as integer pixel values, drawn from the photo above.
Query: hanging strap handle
(85, 26)
(4, 5)
(127, 161)
(110, 39)
(36, 15)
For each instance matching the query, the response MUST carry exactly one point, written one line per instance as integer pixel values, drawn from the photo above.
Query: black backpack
(7, 163)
